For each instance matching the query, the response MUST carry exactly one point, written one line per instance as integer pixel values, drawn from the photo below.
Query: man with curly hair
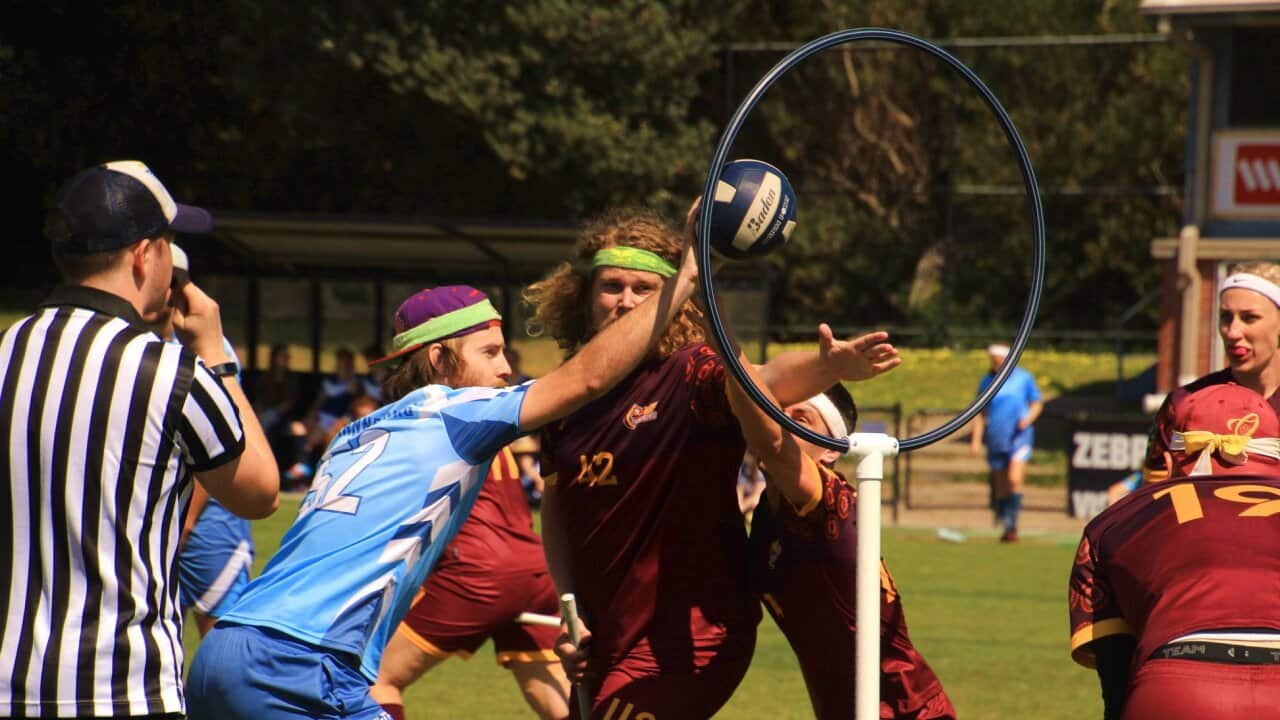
(640, 513)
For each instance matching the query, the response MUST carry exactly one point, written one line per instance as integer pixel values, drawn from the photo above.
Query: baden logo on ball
(754, 211)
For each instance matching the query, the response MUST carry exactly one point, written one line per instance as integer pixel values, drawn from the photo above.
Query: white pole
(870, 449)
(569, 611)
(532, 618)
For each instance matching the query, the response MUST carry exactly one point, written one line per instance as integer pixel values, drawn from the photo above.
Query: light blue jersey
(1004, 411)
(389, 494)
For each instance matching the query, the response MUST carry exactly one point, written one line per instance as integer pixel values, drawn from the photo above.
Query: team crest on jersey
(640, 414)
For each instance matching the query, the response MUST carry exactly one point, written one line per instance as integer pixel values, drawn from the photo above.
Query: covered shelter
(318, 283)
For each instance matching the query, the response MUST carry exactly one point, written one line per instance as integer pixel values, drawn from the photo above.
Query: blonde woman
(1249, 324)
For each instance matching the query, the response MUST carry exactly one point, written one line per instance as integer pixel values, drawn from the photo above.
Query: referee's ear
(150, 263)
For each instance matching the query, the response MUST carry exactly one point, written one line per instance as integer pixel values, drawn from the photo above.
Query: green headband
(446, 325)
(633, 259)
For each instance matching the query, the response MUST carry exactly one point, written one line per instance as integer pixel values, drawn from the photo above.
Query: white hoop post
(870, 449)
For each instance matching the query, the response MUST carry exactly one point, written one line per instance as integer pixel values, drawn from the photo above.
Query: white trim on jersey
(241, 558)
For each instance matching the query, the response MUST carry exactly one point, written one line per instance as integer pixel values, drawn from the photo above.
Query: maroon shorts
(1194, 690)
(649, 684)
(455, 612)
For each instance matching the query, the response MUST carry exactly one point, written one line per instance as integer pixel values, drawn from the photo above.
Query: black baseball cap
(116, 204)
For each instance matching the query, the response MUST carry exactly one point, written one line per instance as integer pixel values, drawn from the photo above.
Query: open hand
(860, 358)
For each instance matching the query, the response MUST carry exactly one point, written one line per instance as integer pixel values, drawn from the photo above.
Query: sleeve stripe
(809, 465)
(210, 422)
(217, 406)
(216, 395)
(1094, 631)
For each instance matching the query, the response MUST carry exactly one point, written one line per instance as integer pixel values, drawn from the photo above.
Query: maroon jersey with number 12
(1178, 557)
(644, 479)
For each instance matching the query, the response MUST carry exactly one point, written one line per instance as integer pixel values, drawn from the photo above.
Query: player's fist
(198, 323)
(575, 658)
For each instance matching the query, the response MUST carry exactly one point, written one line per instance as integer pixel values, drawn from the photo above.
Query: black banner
(1102, 452)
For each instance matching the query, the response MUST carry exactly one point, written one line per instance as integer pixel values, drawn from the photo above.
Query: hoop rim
(703, 247)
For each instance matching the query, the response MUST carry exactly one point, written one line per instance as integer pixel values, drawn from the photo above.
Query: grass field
(941, 377)
(990, 618)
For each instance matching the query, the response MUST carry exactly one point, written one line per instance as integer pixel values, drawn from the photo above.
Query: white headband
(1256, 283)
(827, 409)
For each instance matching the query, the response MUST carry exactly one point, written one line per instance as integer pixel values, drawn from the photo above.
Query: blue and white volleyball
(754, 210)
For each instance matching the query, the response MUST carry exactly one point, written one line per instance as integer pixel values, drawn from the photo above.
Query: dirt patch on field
(963, 506)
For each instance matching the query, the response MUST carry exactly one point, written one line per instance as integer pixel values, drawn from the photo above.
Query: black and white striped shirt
(102, 425)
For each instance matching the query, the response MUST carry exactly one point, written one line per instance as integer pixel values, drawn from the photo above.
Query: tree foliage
(910, 209)
(922, 216)
(594, 98)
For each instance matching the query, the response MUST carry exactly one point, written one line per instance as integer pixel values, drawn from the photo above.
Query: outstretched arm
(786, 468)
(615, 351)
(799, 375)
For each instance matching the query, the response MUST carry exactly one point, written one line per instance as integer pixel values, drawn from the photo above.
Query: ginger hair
(562, 301)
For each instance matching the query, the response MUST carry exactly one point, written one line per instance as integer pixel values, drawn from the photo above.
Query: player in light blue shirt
(1005, 427)
(305, 638)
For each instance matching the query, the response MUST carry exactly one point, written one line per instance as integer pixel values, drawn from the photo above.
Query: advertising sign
(1102, 453)
(1246, 175)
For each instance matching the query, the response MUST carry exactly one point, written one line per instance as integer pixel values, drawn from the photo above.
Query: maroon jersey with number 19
(644, 480)
(1178, 557)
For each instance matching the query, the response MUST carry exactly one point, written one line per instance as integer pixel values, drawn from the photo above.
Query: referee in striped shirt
(103, 424)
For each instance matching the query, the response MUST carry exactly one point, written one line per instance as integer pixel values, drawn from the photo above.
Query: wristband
(226, 369)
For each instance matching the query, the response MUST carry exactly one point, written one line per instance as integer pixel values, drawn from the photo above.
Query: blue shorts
(213, 567)
(1000, 460)
(243, 672)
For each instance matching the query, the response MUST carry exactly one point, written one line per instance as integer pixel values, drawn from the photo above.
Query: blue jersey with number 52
(389, 494)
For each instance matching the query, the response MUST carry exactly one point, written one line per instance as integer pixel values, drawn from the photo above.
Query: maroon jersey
(497, 537)
(644, 479)
(1202, 405)
(805, 565)
(1178, 557)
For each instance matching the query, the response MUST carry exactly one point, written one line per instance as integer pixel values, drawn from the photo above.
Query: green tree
(595, 99)
(910, 198)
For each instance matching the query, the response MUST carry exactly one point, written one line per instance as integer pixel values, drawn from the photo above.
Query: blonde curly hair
(562, 301)
(1266, 270)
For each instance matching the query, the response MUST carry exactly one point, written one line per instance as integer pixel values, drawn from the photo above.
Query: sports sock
(395, 710)
(1015, 506)
(1002, 510)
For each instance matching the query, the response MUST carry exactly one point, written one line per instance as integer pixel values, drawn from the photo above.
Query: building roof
(1207, 7)
(461, 249)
